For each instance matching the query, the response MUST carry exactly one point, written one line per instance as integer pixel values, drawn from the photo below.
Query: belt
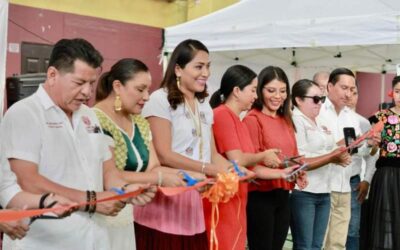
(354, 176)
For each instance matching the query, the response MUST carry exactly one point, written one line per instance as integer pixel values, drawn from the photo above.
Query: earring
(280, 109)
(117, 104)
(178, 82)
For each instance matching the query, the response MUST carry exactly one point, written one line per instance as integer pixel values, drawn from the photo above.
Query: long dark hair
(267, 75)
(124, 70)
(395, 80)
(300, 89)
(182, 55)
(235, 76)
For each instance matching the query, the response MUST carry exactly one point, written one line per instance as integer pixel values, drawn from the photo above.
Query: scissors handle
(45, 216)
(293, 159)
(302, 167)
(119, 191)
(237, 169)
(188, 179)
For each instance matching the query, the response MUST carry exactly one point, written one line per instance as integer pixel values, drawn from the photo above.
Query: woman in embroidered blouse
(180, 121)
(309, 218)
(384, 198)
(121, 94)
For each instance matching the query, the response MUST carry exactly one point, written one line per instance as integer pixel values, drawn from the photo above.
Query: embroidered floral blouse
(390, 144)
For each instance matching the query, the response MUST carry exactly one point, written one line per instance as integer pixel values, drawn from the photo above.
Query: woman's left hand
(302, 180)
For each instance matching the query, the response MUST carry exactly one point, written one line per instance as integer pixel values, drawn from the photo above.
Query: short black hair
(67, 51)
(336, 73)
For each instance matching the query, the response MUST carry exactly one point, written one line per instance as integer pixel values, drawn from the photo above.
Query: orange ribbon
(171, 191)
(225, 187)
(377, 128)
(11, 215)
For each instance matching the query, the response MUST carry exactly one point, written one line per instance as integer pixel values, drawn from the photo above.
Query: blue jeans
(353, 236)
(309, 220)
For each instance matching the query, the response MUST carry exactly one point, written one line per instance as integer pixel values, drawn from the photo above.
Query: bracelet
(203, 167)
(93, 198)
(42, 199)
(90, 202)
(87, 200)
(160, 178)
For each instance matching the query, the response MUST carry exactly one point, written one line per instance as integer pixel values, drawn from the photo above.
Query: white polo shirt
(314, 140)
(8, 182)
(340, 176)
(37, 130)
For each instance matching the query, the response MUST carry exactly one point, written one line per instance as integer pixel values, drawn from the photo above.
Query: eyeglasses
(316, 99)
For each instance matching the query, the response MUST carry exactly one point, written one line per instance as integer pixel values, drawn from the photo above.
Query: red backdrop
(369, 96)
(115, 40)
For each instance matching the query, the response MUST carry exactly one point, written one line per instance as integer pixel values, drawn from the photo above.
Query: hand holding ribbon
(373, 133)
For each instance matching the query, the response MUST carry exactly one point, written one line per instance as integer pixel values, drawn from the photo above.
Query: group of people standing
(61, 150)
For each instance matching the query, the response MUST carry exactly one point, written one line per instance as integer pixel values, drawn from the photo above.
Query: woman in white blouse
(311, 205)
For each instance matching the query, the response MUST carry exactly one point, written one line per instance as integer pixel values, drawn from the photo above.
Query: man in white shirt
(337, 116)
(12, 197)
(54, 144)
(359, 189)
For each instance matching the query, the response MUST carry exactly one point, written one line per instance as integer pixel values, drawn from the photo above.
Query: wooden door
(35, 57)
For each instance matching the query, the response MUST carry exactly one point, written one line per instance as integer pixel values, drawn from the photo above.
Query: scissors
(293, 159)
(188, 179)
(292, 174)
(241, 173)
(45, 216)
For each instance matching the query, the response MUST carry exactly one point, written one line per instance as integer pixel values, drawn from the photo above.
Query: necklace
(195, 117)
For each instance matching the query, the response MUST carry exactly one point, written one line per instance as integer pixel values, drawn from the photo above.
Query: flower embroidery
(392, 119)
(203, 117)
(391, 147)
(189, 151)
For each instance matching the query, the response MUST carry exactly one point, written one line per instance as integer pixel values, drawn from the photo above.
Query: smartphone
(349, 137)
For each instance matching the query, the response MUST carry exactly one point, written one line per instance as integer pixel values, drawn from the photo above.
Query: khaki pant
(338, 225)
